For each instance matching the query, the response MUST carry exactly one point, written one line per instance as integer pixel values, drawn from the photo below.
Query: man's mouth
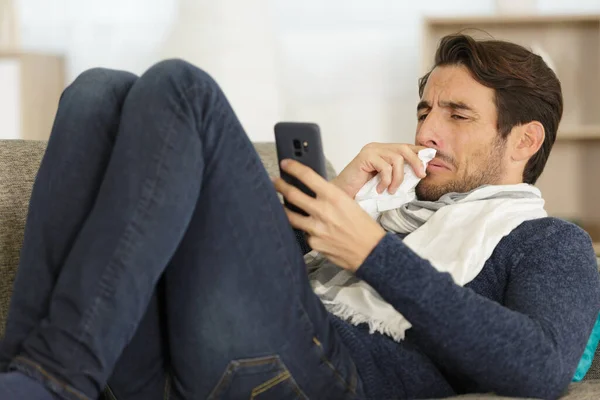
(437, 165)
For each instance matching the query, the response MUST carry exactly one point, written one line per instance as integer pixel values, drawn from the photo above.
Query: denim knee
(94, 87)
(92, 103)
(178, 74)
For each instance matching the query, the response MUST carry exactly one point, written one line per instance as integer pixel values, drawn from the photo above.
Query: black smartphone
(300, 141)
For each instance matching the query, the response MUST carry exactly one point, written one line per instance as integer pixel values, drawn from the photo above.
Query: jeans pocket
(262, 378)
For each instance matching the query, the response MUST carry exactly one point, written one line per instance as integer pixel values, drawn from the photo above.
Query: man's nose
(429, 132)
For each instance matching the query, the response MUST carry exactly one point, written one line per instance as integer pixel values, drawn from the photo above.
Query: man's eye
(458, 117)
(421, 118)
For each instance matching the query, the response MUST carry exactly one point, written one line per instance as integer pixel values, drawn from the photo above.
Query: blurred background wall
(349, 65)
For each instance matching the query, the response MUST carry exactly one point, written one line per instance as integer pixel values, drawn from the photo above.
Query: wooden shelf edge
(577, 138)
(511, 19)
(22, 54)
(584, 132)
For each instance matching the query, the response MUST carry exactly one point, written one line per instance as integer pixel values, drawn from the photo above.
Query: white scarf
(457, 234)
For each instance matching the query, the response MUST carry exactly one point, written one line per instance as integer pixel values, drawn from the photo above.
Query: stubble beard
(488, 172)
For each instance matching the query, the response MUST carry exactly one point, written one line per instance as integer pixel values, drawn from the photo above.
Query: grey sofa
(19, 161)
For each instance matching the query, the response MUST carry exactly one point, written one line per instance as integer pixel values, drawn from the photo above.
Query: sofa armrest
(586, 390)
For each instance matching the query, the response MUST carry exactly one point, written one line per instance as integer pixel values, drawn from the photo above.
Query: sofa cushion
(594, 371)
(577, 391)
(19, 162)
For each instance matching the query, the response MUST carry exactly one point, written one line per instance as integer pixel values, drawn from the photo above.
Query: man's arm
(528, 347)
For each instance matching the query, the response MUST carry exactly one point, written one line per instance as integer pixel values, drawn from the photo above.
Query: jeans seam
(109, 393)
(123, 247)
(50, 377)
(263, 387)
(226, 375)
(298, 392)
(196, 86)
(289, 262)
(330, 365)
(167, 392)
(210, 91)
(124, 242)
(281, 377)
(265, 190)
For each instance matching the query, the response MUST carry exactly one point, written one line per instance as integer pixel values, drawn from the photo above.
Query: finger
(296, 196)
(322, 246)
(416, 148)
(385, 175)
(299, 221)
(401, 147)
(306, 175)
(384, 169)
(396, 160)
(397, 175)
(410, 155)
(412, 159)
(412, 147)
(315, 243)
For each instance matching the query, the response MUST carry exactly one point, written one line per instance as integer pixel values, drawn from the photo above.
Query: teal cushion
(588, 355)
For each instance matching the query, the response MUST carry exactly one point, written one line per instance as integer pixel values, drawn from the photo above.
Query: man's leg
(66, 186)
(141, 373)
(185, 188)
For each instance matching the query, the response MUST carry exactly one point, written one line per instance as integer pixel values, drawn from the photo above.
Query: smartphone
(300, 141)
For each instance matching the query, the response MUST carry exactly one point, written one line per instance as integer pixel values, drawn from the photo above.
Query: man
(158, 258)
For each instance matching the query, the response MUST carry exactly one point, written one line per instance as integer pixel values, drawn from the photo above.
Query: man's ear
(528, 140)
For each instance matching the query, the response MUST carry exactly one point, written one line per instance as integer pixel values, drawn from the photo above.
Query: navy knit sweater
(518, 329)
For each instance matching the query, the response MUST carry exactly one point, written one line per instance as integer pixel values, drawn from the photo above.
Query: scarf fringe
(394, 329)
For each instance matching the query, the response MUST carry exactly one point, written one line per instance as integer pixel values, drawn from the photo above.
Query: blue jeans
(158, 258)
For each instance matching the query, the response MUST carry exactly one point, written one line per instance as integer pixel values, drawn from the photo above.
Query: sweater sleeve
(527, 347)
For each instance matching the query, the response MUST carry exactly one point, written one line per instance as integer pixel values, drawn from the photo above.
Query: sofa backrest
(19, 161)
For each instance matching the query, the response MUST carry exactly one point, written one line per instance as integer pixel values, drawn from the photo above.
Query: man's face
(457, 117)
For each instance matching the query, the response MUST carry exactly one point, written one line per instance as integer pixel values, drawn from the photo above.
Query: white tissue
(374, 203)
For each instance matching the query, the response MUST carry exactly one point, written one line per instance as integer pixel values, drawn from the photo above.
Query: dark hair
(526, 88)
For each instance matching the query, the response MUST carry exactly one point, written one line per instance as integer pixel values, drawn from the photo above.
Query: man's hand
(336, 225)
(385, 158)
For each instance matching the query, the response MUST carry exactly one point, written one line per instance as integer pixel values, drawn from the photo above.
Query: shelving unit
(31, 85)
(571, 181)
